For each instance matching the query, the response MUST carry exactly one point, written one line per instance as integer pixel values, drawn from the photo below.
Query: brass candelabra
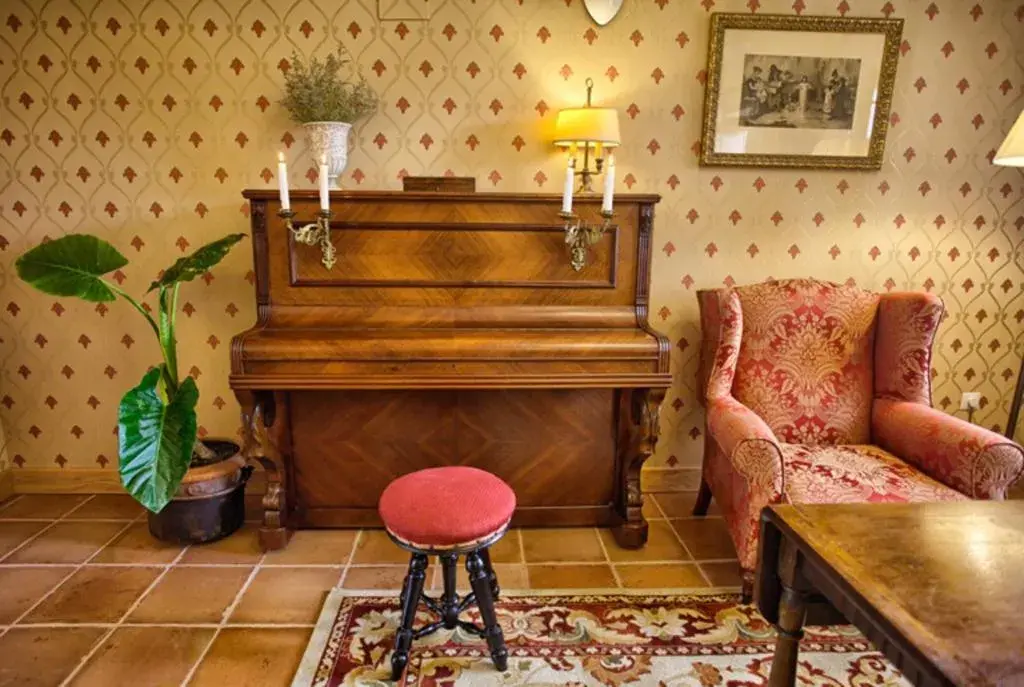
(318, 232)
(579, 236)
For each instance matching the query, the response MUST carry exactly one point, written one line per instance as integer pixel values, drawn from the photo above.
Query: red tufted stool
(448, 512)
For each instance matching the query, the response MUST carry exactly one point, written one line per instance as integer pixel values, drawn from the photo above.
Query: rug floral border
(335, 628)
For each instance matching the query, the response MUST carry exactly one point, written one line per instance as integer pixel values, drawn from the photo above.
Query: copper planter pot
(209, 504)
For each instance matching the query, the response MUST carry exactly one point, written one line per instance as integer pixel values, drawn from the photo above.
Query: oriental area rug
(606, 639)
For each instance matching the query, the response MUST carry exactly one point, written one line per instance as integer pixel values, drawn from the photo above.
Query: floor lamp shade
(1011, 154)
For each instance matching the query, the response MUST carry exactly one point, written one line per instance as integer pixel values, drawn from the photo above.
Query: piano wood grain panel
(556, 449)
(506, 266)
(433, 255)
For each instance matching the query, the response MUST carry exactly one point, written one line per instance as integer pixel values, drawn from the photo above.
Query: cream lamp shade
(1011, 153)
(589, 126)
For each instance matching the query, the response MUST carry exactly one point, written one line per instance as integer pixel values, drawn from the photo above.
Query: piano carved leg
(274, 533)
(638, 416)
(261, 444)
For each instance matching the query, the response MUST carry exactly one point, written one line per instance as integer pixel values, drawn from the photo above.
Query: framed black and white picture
(799, 91)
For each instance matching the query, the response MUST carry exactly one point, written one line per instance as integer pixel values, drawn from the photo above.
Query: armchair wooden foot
(700, 507)
(748, 587)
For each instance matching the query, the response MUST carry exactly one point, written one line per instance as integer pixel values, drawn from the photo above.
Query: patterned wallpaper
(142, 122)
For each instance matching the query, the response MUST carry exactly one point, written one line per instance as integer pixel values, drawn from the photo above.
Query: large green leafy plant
(316, 91)
(156, 419)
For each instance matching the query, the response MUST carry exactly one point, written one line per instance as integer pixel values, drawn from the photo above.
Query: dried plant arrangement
(317, 91)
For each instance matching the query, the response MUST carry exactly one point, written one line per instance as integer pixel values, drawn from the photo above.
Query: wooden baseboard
(6, 484)
(88, 481)
(48, 481)
(669, 479)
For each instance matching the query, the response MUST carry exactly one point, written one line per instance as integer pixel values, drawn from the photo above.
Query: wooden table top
(949, 577)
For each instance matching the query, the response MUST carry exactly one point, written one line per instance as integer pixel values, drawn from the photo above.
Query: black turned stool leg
(450, 600)
(411, 591)
(485, 554)
(481, 583)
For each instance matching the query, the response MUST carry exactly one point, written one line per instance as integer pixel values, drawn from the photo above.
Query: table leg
(792, 610)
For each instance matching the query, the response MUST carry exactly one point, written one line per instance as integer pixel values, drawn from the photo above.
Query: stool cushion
(446, 507)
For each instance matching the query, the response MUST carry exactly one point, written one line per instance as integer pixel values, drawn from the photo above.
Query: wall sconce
(579, 236)
(587, 127)
(315, 232)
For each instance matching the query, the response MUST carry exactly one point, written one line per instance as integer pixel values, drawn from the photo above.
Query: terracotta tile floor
(87, 597)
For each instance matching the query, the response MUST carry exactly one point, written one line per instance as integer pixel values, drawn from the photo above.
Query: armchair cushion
(964, 456)
(856, 474)
(806, 359)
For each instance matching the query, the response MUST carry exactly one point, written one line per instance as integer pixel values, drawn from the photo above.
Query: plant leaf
(155, 439)
(191, 266)
(165, 334)
(72, 266)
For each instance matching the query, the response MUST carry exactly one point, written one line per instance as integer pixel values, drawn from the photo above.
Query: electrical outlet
(970, 400)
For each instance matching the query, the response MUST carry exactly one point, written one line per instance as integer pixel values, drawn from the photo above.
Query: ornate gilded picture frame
(787, 91)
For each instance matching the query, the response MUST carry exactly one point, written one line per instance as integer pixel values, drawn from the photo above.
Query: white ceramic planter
(329, 139)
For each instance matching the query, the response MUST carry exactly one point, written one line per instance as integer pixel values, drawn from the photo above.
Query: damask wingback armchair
(821, 393)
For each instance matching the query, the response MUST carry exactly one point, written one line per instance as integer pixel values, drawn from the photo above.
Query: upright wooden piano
(451, 330)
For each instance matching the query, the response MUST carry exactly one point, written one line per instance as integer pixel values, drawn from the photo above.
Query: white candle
(325, 195)
(609, 185)
(282, 181)
(567, 190)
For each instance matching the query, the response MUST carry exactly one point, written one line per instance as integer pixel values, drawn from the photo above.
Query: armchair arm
(748, 467)
(968, 458)
(740, 432)
(743, 462)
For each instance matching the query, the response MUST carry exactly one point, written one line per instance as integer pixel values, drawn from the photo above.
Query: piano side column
(265, 441)
(638, 435)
